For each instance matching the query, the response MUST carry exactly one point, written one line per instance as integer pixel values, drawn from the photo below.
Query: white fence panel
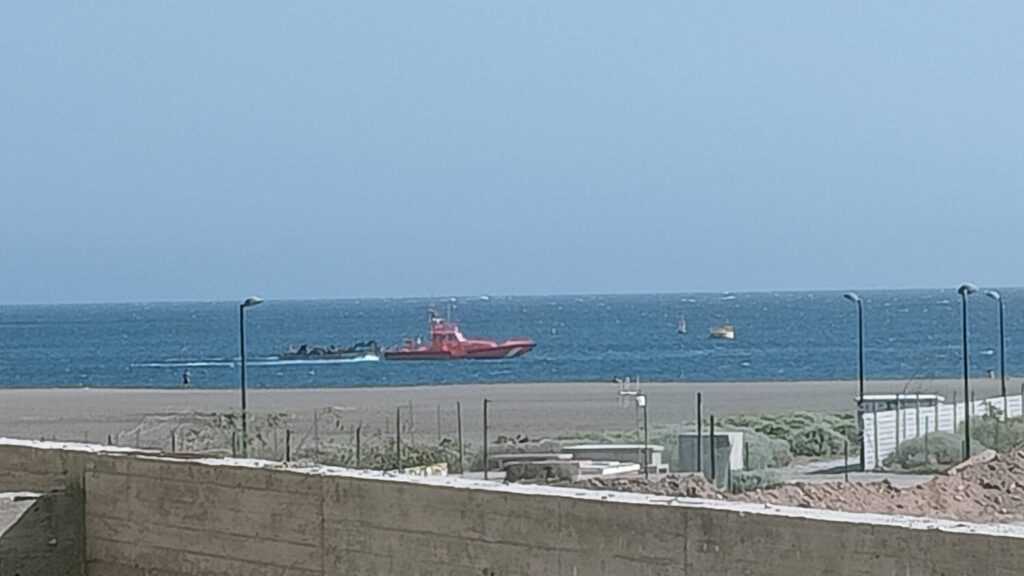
(883, 431)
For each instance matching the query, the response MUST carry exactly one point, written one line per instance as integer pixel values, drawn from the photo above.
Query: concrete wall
(40, 534)
(190, 517)
(41, 509)
(154, 516)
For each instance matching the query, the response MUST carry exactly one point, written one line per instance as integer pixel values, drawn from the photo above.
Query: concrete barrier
(161, 516)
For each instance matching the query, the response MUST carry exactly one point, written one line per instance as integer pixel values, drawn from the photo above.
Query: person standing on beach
(186, 379)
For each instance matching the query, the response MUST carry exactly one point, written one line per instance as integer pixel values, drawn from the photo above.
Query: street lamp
(966, 290)
(249, 303)
(853, 297)
(641, 401)
(995, 295)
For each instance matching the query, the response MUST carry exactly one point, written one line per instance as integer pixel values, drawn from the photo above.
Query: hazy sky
(209, 150)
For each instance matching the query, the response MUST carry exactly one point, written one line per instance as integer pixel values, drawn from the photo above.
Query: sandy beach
(535, 409)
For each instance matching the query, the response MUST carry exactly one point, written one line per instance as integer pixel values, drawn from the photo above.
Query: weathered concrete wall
(153, 516)
(382, 527)
(40, 534)
(42, 509)
(185, 517)
(39, 466)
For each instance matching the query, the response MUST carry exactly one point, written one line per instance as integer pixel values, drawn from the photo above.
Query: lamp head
(252, 301)
(967, 289)
(852, 297)
(994, 294)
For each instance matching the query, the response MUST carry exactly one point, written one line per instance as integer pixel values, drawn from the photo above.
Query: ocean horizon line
(487, 295)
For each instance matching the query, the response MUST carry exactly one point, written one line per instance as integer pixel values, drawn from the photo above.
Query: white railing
(883, 431)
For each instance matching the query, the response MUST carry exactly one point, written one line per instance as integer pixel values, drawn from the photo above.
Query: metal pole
(316, 432)
(647, 452)
(359, 446)
(438, 423)
(954, 413)
(967, 384)
(174, 447)
(700, 439)
(412, 423)
(711, 447)
(245, 423)
(398, 438)
(288, 445)
(846, 460)
(486, 462)
(874, 432)
(860, 373)
(917, 416)
(860, 341)
(462, 455)
(897, 420)
(1002, 351)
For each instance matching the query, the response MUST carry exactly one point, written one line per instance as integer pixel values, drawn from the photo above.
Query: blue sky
(208, 150)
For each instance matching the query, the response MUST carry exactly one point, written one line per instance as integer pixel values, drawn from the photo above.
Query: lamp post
(965, 291)
(853, 297)
(995, 295)
(641, 400)
(486, 461)
(248, 303)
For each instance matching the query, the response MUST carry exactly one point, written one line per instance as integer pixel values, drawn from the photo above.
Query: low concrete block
(543, 471)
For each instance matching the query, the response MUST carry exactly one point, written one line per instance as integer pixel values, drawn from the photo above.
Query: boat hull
(499, 352)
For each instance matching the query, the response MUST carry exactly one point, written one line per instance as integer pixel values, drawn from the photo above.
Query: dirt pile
(987, 489)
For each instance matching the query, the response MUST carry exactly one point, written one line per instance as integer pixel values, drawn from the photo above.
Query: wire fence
(481, 436)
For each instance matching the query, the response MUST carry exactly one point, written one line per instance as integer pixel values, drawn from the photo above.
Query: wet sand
(534, 409)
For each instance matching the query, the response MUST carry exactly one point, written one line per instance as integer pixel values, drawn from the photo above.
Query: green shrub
(817, 439)
(747, 480)
(929, 453)
(765, 452)
(996, 433)
(808, 434)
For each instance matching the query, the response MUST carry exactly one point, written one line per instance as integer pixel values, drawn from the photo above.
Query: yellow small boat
(723, 332)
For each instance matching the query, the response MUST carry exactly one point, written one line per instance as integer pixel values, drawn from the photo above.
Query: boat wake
(269, 361)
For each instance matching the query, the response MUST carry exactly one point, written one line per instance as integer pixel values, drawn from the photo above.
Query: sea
(909, 334)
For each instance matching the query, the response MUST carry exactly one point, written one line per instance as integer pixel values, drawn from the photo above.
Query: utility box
(728, 447)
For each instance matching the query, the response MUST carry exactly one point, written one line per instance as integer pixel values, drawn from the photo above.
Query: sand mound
(990, 488)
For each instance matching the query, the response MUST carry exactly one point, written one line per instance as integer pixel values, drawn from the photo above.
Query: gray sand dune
(536, 409)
